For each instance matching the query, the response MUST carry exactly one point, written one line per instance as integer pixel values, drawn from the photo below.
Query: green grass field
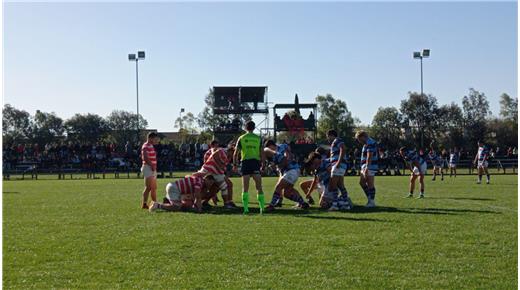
(92, 234)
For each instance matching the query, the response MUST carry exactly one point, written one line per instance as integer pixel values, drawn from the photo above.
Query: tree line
(419, 119)
(21, 127)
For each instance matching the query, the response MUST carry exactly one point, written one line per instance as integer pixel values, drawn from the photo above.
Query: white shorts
(482, 164)
(173, 194)
(324, 191)
(147, 171)
(291, 176)
(420, 170)
(453, 165)
(218, 177)
(338, 169)
(369, 172)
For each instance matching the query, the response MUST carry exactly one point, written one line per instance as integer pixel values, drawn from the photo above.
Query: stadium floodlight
(418, 55)
(136, 58)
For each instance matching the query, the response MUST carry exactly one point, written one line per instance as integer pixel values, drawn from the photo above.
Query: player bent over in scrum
(215, 164)
(369, 166)
(321, 168)
(418, 168)
(289, 171)
(308, 186)
(481, 160)
(184, 194)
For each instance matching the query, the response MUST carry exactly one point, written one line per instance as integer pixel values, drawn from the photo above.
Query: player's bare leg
(413, 177)
(305, 186)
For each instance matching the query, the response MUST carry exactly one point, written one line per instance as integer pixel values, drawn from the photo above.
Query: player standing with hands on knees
(418, 168)
(149, 168)
(252, 159)
(369, 166)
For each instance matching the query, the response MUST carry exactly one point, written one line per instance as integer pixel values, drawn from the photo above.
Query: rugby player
(215, 164)
(418, 168)
(481, 161)
(454, 159)
(149, 168)
(249, 146)
(321, 168)
(369, 166)
(289, 171)
(185, 193)
(437, 162)
(338, 159)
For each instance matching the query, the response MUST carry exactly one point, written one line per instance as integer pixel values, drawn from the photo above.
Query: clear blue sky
(71, 58)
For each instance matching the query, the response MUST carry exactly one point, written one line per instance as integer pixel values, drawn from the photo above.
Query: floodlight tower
(420, 55)
(137, 58)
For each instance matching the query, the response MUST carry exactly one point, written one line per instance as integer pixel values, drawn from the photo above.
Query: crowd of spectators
(185, 157)
(100, 156)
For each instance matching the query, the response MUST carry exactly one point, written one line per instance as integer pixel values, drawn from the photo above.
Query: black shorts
(249, 167)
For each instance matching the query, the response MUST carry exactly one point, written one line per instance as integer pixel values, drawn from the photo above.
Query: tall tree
(475, 108)
(334, 114)
(509, 107)
(187, 122)
(47, 127)
(386, 127)
(450, 126)
(420, 117)
(123, 126)
(89, 128)
(16, 125)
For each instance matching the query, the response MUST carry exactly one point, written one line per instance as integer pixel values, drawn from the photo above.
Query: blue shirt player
(418, 168)
(289, 170)
(369, 166)
(338, 158)
(320, 166)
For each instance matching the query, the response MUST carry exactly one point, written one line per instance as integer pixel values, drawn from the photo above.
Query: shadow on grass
(465, 198)
(432, 211)
(347, 218)
(11, 192)
(315, 213)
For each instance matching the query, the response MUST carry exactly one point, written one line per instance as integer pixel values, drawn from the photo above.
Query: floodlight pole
(137, 94)
(136, 58)
(422, 118)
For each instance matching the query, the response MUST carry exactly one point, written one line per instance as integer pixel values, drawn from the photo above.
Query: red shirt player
(215, 164)
(149, 168)
(182, 193)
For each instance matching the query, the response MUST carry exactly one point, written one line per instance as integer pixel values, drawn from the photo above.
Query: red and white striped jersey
(150, 150)
(189, 184)
(211, 165)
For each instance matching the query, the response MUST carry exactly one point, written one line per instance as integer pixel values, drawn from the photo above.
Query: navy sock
(371, 193)
(276, 198)
(344, 192)
(334, 194)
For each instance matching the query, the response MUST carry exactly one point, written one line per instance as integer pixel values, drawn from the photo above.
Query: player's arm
(235, 153)
(341, 152)
(311, 188)
(262, 157)
(198, 198)
(476, 158)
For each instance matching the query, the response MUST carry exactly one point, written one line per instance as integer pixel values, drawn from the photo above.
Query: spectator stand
(293, 122)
